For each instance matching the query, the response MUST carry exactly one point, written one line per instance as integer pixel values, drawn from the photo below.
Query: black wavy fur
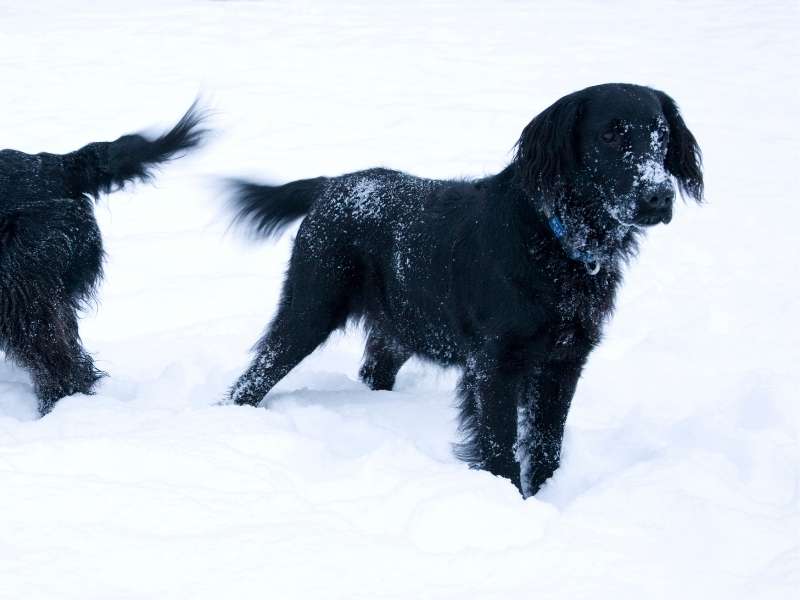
(51, 250)
(510, 277)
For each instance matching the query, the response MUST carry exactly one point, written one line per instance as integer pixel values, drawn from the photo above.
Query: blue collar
(560, 231)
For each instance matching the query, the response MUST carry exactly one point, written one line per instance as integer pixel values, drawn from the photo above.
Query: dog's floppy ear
(547, 150)
(684, 160)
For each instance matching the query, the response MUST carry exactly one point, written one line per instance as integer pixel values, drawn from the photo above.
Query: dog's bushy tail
(266, 210)
(104, 167)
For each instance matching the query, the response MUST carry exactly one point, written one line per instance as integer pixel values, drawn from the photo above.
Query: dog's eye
(609, 137)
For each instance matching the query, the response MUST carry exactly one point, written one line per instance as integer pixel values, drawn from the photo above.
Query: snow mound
(681, 463)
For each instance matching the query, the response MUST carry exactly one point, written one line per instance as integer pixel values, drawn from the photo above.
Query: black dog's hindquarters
(510, 277)
(51, 251)
(50, 261)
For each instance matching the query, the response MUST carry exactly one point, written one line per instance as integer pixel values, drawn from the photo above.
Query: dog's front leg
(545, 397)
(488, 393)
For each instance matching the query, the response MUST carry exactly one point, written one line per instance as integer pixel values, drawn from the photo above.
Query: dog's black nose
(655, 206)
(660, 199)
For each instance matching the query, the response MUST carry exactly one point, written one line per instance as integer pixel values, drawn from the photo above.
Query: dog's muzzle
(655, 206)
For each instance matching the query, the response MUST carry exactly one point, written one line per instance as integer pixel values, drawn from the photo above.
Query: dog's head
(609, 155)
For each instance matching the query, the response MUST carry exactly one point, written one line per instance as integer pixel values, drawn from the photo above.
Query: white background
(681, 461)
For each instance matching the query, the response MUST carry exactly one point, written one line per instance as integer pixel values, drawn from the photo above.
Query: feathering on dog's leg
(43, 282)
(313, 304)
(46, 341)
(488, 397)
(544, 401)
(288, 341)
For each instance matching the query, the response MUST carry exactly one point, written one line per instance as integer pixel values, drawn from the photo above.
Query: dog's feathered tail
(266, 210)
(103, 167)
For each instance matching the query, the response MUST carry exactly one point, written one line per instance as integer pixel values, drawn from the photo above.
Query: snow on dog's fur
(510, 277)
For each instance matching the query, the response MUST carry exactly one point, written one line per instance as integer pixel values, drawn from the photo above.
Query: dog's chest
(586, 303)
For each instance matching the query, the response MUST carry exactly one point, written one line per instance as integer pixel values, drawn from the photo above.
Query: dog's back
(372, 220)
(365, 202)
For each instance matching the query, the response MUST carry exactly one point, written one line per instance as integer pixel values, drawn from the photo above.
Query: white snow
(361, 194)
(651, 170)
(680, 470)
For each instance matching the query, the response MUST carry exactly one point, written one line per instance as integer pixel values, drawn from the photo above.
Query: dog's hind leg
(315, 302)
(45, 341)
(50, 262)
(293, 335)
(382, 360)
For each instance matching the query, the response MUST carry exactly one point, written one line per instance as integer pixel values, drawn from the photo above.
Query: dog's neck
(591, 240)
(578, 252)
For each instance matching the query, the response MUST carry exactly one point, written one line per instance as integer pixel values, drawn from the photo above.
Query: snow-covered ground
(681, 466)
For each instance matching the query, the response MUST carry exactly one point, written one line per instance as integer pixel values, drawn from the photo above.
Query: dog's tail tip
(105, 167)
(188, 133)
